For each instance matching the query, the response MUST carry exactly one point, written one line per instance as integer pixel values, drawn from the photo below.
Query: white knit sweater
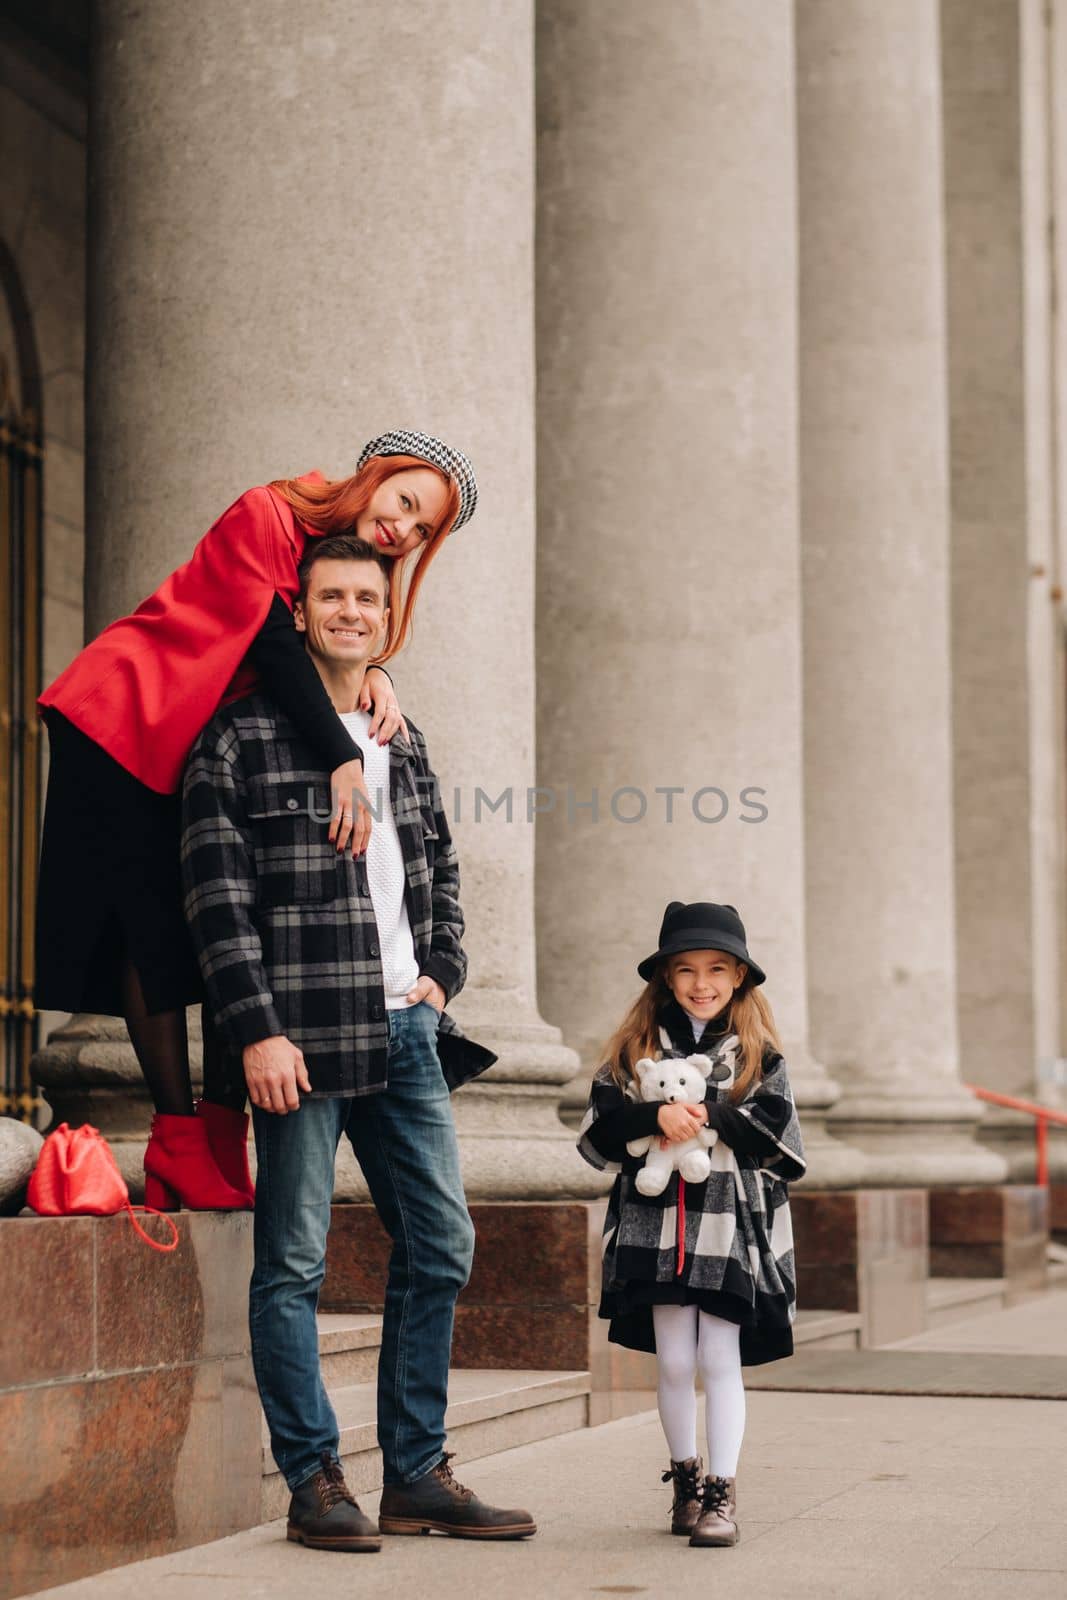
(385, 869)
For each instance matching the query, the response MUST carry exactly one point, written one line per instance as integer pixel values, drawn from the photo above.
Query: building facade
(748, 317)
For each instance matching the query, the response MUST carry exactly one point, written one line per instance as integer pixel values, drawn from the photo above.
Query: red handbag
(77, 1175)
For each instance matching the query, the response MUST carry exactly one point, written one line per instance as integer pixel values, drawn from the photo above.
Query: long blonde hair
(749, 1016)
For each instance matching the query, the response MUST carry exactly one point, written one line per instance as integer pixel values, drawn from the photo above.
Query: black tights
(161, 1045)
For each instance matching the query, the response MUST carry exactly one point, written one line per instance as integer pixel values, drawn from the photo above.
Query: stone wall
(127, 1398)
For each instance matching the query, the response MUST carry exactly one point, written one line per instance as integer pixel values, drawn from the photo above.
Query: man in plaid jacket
(327, 978)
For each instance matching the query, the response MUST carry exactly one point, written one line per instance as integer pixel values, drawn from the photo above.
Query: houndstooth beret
(407, 442)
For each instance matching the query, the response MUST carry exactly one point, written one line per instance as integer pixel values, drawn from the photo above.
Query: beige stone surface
(877, 659)
(1007, 704)
(853, 1497)
(668, 572)
(301, 303)
(1038, 1327)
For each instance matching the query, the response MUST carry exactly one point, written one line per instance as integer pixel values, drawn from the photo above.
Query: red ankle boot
(181, 1170)
(227, 1134)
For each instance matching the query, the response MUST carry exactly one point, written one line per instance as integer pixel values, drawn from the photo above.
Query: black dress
(109, 881)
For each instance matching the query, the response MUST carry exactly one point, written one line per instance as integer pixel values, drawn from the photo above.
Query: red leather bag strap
(156, 1244)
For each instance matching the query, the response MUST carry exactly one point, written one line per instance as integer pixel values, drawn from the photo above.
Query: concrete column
(877, 658)
(301, 236)
(1007, 651)
(668, 569)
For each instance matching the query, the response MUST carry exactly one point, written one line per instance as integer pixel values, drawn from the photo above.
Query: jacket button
(372, 950)
(294, 805)
(376, 1012)
(364, 887)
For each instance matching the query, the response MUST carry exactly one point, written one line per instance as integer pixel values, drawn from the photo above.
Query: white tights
(688, 1339)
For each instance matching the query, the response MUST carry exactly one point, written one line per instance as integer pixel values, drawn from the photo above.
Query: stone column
(668, 565)
(877, 658)
(300, 237)
(1008, 713)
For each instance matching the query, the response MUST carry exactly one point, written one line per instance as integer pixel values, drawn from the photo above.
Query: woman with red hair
(111, 934)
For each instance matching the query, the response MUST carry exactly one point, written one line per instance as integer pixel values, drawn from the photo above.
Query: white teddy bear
(674, 1081)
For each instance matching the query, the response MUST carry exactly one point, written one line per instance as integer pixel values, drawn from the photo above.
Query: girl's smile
(703, 981)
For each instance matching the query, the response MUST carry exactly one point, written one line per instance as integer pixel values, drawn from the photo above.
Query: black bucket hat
(701, 927)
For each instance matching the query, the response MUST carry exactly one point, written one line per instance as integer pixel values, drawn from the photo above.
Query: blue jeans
(405, 1141)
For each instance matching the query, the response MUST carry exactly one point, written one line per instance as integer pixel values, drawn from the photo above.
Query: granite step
(828, 1330)
(955, 1299)
(488, 1411)
(349, 1343)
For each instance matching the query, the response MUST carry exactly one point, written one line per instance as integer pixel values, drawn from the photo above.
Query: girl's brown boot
(717, 1523)
(687, 1502)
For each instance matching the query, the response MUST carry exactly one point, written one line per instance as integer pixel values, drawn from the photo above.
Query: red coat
(146, 686)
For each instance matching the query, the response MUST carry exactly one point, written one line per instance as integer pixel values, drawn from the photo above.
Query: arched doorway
(21, 613)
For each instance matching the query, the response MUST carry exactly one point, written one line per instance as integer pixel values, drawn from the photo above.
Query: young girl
(701, 1274)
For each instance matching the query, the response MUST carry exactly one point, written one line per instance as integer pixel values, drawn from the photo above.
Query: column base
(917, 1141)
(512, 1143)
(1011, 1137)
(831, 1162)
(89, 1073)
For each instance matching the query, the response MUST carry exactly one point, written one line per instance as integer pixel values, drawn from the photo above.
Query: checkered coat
(738, 1259)
(284, 927)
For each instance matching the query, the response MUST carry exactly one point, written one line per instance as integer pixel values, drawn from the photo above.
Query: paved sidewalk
(1037, 1327)
(842, 1497)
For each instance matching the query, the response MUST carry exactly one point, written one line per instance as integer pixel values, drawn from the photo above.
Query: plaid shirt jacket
(284, 927)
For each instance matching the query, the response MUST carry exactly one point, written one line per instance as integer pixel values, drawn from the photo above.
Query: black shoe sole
(352, 1542)
(518, 1530)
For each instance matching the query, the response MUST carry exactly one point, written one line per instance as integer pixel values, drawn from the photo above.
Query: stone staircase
(489, 1410)
(827, 1330)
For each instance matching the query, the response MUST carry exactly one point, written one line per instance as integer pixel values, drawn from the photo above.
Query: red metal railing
(1042, 1115)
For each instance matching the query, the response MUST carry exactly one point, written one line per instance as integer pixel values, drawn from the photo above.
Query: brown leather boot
(687, 1488)
(717, 1523)
(324, 1516)
(437, 1501)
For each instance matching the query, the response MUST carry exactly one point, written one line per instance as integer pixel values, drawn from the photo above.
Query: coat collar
(675, 1019)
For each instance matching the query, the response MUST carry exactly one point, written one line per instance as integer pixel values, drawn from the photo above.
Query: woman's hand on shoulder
(350, 819)
(379, 698)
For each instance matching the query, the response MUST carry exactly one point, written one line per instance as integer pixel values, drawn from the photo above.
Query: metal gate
(21, 610)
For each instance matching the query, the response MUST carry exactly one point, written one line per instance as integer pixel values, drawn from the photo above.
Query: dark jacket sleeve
(219, 882)
(771, 1111)
(289, 677)
(446, 960)
(616, 1125)
(737, 1131)
(611, 1120)
(613, 1129)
